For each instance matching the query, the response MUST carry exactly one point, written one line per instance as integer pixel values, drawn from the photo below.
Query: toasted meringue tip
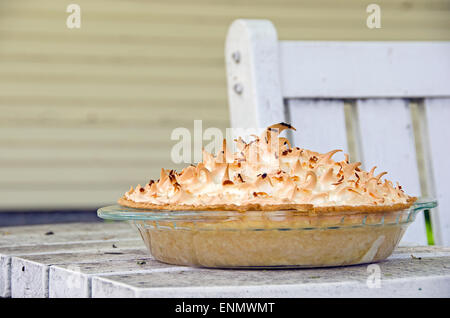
(378, 177)
(282, 126)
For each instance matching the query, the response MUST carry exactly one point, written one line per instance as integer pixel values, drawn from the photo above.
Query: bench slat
(320, 124)
(425, 277)
(96, 269)
(30, 274)
(68, 242)
(74, 280)
(437, 117)
(364, 69)
(254, 88)
(386, 140)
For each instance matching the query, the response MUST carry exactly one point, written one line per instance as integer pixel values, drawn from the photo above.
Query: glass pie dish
(268, 239)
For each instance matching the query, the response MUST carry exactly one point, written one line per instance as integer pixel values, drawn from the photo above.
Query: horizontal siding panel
(359, 32)
(110, 50)
(32, 142)
(121, 5)
(77, 58)
(141, 133)
(144, 11)
(17, 157)
(288, 29)
(106, 101)
(85, 116)
(84, 198)
(58, 77)
(123, 175)
(164, 74)
(111, 90)
(82, 65)
(57, 21)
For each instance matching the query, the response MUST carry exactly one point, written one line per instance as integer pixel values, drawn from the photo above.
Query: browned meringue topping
(267, 171)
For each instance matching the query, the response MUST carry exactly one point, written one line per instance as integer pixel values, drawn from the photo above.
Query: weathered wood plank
(253, 80)
(437, 120)
(428, 277)
(30, 274)
(30, 254)
(23, 231)
(19, 236)
(67, 241)
(320, 124)
(334, 69)
(96, 268)
(386, 140)
(74, 280)
(68, 247)
(431, 249)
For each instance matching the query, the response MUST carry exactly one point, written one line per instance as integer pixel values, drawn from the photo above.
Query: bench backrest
(357, 96)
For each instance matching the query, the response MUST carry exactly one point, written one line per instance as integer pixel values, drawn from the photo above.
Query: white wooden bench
(309, 84)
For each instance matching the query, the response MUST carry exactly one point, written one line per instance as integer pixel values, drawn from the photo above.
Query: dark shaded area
(429, 228)
(15, 218)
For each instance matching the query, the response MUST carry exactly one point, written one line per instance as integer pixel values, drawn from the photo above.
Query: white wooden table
(110, 260)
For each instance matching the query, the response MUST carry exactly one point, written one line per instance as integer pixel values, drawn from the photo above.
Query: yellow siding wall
(84, 113)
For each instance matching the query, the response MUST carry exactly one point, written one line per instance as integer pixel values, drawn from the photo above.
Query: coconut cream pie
(268, 174)
(270, 205)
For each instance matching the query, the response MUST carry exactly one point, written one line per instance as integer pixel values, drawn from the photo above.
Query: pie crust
(272, 207)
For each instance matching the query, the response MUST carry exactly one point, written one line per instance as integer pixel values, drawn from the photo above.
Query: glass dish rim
(122, 213)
